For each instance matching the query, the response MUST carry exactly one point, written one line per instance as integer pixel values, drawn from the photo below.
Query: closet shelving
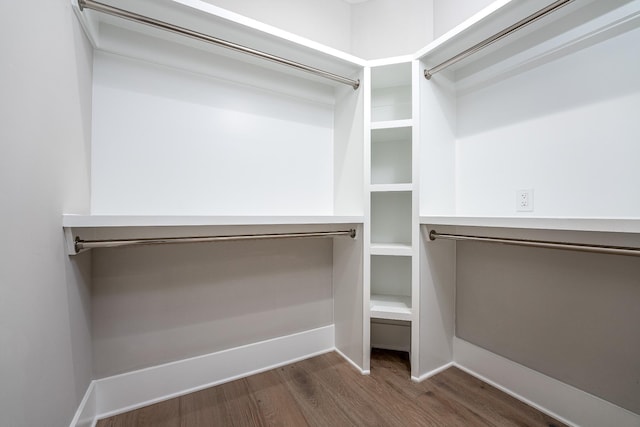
(391, 212)
(407, 300)
(508, 117)
(135, 59)
(482, 123)
(603, 225)
(189, 139)
(113, 34)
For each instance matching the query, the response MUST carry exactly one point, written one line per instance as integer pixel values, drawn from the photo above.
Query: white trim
(132, 390)
(613, 225)
(351, 362)
(566, 403)
(105, 221)
(85, 415)
(432, 373)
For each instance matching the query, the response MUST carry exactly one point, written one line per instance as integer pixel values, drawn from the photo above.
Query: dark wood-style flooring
(327, 391)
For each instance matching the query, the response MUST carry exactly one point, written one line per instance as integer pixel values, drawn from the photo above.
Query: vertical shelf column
(391, 215)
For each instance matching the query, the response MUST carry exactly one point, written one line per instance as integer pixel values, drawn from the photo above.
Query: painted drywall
(45, 345)
(450, 13)
(387, 28)
(572, 316)
(371, 30)
(158, 304)
(168, 142)
(556, 130)
(327, 21)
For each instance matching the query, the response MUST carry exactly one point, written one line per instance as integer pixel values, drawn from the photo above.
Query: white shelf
(390, 307)
(385, 188)
(570, 25)
(105, 221)
(391, 124)
(391, 249)
(613, 225)
(106, 33)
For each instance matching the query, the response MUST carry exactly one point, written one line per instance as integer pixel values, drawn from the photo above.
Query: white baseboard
(86, 414)
(432, 373)
(125, 392)
(121, 393)
(354, 364)
(555, 398)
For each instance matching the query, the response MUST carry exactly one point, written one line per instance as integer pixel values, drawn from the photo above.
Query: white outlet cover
(524, 200)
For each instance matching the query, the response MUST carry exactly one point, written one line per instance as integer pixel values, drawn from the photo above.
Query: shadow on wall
(157, 304)
(570, 315)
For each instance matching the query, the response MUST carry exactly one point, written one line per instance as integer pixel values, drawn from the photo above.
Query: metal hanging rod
(428, 73)
(90, 244)
(601, 249)
(125, 14)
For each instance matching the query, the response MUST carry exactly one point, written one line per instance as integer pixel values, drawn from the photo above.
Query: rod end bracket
(433, 234)
(356, 85)
(427, 74)
(82, 4)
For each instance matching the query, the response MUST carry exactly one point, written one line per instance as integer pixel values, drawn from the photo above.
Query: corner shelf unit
(391, 211)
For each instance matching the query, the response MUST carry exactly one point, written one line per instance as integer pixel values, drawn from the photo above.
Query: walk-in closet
(440, 192)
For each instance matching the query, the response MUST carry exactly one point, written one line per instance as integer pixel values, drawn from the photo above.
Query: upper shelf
(117, 35)
(106, 221)
(613, 225)
(571, 27)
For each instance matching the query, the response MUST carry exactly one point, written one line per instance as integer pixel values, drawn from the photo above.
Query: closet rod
(125, 14)
(428, 73)
(601, 249)
(90, 244)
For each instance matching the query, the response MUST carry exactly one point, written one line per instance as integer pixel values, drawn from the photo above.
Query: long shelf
(391, 124)
(390, 307)
(391, 249)
(563, 30)
(106, 221)
(388, 188)
(120, 36)
(612, 225)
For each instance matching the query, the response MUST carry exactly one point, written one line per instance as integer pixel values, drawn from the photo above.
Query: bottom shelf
(391, 307)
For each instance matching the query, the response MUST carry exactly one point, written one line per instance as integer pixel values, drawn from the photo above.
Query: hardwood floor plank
(327, 391)
(500, 405)
(204, 408)
(337, 378)
(318, 407)
(275, 400)
(163, 414)
(392, 370)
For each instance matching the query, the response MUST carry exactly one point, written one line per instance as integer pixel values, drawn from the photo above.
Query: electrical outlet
(524, 200)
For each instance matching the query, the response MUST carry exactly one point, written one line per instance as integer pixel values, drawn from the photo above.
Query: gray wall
(158, 304)
(45, 82)
(573, 316)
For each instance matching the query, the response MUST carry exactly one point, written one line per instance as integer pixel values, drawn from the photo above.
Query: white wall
(449, 13)
(326, 21)
(571, 138)
(386, 28)
(45, 81)
(172, 142)
(371, 30)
